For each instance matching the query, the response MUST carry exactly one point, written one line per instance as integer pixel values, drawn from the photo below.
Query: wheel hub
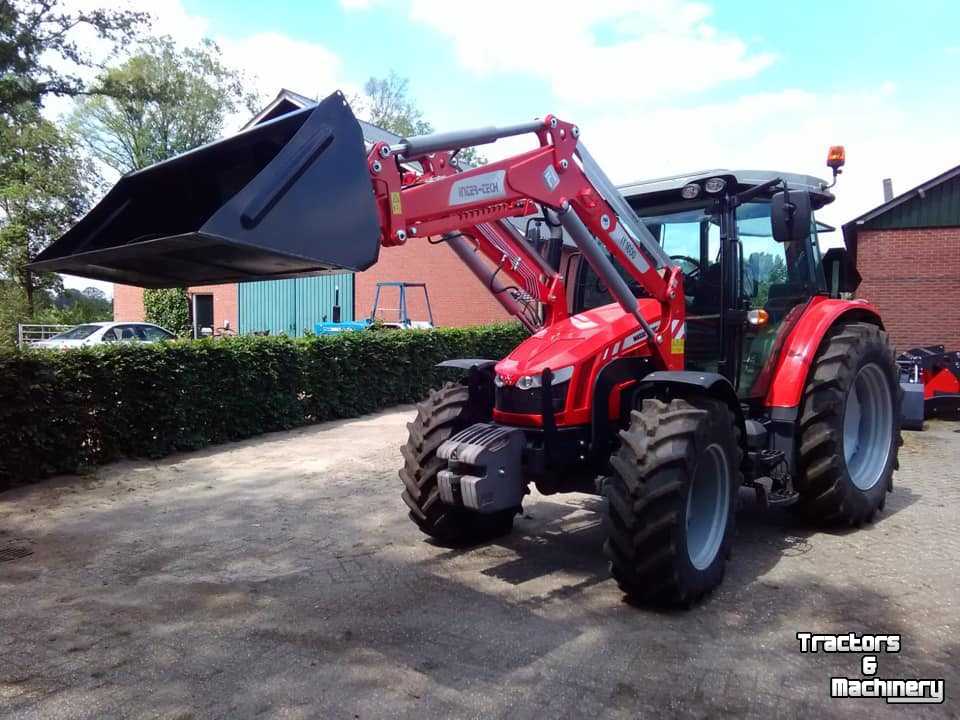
(867, 427)
(708, 504)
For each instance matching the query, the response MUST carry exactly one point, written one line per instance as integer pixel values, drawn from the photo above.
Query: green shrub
(169, 308)
(63, 411)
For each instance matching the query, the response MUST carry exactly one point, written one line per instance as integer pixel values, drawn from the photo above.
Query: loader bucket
(289, 197)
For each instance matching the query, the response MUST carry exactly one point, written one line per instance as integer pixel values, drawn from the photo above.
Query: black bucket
(289, 197)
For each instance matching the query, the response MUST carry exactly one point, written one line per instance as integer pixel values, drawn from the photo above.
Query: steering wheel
(696, 270)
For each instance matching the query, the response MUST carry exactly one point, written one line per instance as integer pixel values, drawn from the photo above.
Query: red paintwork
(939, 380)
(800, 347)
(435, 203)
(588, 341)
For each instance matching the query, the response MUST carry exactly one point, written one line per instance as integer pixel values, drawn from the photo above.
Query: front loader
(684, 339)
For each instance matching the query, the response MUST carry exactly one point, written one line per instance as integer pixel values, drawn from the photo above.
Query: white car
(106, 332)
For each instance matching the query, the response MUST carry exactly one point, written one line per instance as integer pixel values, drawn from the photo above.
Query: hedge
(65, 411)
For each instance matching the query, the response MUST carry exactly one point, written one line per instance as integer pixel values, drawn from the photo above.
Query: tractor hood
(289, 197)
(603, 332)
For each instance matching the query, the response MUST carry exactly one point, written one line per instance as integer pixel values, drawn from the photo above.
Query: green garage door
(292, 307)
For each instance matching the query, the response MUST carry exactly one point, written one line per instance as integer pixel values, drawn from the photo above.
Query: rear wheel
(444, 412)
(672, 500)
(849, 426)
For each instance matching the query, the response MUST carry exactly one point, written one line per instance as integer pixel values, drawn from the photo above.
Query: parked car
(105, 332)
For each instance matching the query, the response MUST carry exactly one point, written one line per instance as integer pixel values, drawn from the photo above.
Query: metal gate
(292, 307)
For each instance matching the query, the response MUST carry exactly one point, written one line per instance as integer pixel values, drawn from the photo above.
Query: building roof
(287, 101)
(934, 203)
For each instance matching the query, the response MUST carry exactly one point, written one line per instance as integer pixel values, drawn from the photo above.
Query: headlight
(715, 185)
(689, 192)
(498, 381)
(528, 382)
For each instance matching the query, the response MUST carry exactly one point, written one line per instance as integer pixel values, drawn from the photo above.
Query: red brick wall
(225, 303)
(914, 278)
(128, 303)
(456, 296)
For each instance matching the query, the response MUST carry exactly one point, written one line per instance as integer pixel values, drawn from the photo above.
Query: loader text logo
(893, 690)
(479, 187)
(629, 248)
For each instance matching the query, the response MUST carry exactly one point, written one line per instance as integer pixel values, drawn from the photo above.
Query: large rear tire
(444, 412)
(849, 430)
(672, 500)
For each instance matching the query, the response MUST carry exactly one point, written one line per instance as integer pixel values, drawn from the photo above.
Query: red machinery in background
(937, 372)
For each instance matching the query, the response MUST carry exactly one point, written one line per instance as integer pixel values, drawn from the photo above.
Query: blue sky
(657, 86)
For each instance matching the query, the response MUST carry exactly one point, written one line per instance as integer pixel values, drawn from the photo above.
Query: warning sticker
(395, 205)
(676, 346)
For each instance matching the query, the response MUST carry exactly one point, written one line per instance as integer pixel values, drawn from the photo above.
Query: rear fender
(800, 347)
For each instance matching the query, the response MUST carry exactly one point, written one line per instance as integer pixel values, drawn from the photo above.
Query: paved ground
(280, 578)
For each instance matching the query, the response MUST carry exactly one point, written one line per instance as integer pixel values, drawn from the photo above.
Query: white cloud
(603, 50)
(274, 61)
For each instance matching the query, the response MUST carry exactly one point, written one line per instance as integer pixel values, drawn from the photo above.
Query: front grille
(510, 398)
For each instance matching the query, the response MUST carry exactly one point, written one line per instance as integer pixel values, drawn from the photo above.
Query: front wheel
(672, 500)
(849, 426)
(444, 412)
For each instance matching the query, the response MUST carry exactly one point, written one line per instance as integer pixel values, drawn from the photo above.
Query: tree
(94, 294)
(161, 102)
(72, 307)
(386, 104)
(38, 41)
(168, 308)
(12, 311)
(44, 184)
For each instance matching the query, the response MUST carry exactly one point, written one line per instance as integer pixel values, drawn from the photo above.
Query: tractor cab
(741, 283)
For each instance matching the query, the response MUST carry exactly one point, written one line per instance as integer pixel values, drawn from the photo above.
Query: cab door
(779, 278)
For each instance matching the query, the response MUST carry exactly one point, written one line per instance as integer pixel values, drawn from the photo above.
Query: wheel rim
(707, 506)
(867, 427)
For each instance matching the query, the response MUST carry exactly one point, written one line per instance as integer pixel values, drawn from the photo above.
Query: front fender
(800, 347)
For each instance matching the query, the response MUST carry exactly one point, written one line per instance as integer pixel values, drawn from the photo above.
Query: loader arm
(559, 175)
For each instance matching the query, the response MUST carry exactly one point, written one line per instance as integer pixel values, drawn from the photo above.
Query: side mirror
(790, 215)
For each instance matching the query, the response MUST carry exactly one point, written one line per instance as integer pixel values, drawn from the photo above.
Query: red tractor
(684, 339)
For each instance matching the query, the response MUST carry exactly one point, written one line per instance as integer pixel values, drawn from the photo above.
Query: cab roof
(743, 178)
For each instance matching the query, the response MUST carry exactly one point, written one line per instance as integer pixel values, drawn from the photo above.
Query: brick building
(456, 296)
(907, 251)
